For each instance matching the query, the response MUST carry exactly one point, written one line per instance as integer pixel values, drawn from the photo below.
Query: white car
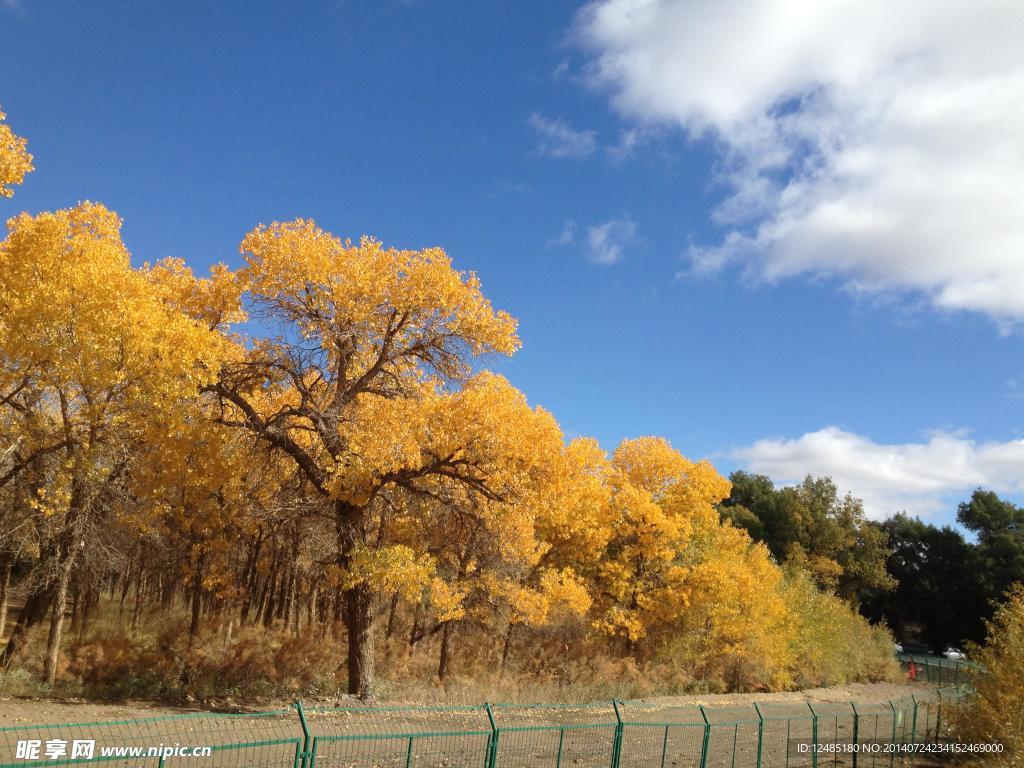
(899, 648)
(955, 654)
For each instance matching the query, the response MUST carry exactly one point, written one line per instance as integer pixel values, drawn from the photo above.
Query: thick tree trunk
(359, 614)
(359, 623)
(60, 603)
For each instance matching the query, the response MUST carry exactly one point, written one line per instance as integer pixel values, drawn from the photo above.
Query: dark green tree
(811, 527)
(999, 526)
(940, 598)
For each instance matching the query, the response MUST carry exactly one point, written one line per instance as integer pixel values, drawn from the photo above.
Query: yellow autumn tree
(362, 332)
(200, 488)
(736, 632)
(657, 495)
(486, 540)
(88, 352)
(15, 160)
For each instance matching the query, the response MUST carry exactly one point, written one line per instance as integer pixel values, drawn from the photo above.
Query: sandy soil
(19, 711)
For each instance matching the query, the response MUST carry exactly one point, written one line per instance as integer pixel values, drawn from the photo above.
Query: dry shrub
(992, 711)
(116, 663)
(831, 644)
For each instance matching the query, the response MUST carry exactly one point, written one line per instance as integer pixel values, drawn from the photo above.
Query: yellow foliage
(15, 160)
(658, 499)
(446, 600)
(215, 301)
(992, 711)
(323, 283)
(391, 569)
(91, 348)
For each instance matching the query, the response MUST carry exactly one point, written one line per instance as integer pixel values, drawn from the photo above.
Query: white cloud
(923, 479)
(875, 141)
(559, 139)
(606, 240)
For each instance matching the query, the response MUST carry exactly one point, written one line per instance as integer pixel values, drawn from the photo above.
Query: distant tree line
(929, 583)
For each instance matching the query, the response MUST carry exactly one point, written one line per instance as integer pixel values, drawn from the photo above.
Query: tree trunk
(359, 623)
(126, 583)
(271, 592)
(414, 633)
(507, 647)
(139, 588)
(5, 593)
(284, 591)
(57, 618)
(442, 664)
(252, 578)
(76, 608)
(359, 615)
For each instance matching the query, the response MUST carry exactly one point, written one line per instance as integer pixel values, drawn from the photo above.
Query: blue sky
(627, 203)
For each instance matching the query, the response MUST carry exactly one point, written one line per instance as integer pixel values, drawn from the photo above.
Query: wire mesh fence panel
(578, 735)
(838, 733)
(734, 737)
(631, 734)
(904, 719)
(661, 735)
(878, 726)
(924, 720)
(398, 737)
(271, 739)
(937, 670)
(788, 736)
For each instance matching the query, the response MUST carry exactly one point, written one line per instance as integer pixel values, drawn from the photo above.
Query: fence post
(303, 758)
(707, 737)
(856, 730)
(491, 758)
(617, 741)
(913, 721)
(760, 735)
(892, 755)
(938, 717)
(814, 736)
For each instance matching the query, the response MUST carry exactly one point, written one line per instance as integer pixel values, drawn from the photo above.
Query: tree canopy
(309, 443)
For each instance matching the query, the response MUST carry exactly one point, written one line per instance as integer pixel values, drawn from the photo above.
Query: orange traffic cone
(912, 671)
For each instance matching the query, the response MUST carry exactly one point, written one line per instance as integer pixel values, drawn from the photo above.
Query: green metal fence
(616, 734)
(936, 669)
